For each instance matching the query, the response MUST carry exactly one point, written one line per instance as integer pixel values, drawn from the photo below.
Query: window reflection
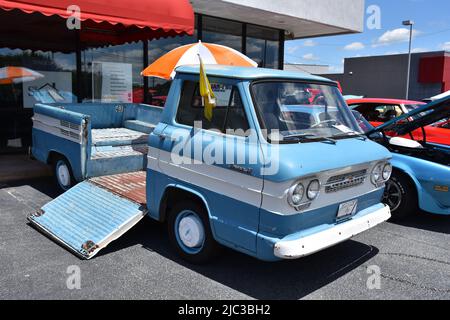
(224, 32)
(113, 73)
(55, 69)
(108, 73)
(263, 45)
(25, 74)
(158, 89)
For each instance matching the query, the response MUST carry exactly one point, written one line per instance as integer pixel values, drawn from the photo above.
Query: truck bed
(96, 139)
(128, 185)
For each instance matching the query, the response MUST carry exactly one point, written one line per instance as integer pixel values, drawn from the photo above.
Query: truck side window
(229, 113)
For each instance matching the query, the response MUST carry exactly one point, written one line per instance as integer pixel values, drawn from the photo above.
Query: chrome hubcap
(191, 232)
(392, 195)
(63, 175)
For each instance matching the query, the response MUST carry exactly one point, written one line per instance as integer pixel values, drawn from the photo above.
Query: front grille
(345, 181)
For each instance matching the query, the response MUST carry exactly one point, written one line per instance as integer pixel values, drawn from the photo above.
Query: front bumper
(306, 245)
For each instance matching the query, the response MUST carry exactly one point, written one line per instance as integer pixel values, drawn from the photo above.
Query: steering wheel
(324, 122)
(319, 100)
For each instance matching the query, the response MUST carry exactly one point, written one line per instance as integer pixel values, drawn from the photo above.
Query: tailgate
(86, 218)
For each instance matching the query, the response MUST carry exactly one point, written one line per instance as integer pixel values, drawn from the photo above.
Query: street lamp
(409, 23)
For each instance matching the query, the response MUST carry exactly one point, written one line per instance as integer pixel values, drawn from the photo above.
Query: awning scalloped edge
(64, 15)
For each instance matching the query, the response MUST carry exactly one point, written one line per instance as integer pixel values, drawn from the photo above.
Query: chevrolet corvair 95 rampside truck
(271, 174)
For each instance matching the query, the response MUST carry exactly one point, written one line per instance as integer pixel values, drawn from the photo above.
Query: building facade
(78, 65)
(385, 76)
(317, 69)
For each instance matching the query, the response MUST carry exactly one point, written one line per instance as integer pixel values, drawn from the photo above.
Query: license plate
(347, 209)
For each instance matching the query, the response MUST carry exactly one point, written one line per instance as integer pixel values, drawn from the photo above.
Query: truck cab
(271, 174)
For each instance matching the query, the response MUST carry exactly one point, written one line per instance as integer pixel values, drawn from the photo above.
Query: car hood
(300, 160)
(423, 116)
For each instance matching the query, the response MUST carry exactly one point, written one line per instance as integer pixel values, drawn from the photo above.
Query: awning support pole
(79, 76)
(146, 63)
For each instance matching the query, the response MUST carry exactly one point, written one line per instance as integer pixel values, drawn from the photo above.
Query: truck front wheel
(190, 233)
(63, 173)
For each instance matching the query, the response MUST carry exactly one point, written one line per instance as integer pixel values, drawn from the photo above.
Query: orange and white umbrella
(12, 75)
(188, 54)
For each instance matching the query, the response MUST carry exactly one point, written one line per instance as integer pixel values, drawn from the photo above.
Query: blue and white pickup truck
(271, 174)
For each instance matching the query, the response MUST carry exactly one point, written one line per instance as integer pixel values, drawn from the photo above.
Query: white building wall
(302, 18)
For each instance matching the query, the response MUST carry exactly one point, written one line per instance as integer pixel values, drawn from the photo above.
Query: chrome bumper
(304, 246)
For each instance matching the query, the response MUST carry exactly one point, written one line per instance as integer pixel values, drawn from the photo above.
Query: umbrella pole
(13, 89)
(15, 100)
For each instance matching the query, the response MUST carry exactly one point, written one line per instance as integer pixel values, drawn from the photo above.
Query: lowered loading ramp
(92, 214)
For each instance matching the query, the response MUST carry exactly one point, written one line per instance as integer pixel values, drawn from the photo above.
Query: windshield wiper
(350, 135)
(306, 137)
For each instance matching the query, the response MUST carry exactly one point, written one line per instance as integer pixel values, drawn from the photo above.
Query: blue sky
(432, 33)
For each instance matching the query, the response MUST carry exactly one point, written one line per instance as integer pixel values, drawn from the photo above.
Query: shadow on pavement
(427, 221)
(45, 185)
(261, 280)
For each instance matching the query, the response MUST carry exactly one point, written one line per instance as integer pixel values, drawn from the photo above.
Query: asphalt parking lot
(413, 259)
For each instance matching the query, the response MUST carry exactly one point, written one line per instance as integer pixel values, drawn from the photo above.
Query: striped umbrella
(12, 75)
(188, 54)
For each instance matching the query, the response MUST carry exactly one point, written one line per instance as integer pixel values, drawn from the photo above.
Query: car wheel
(400, 195)
(63, 174)
(190, 233)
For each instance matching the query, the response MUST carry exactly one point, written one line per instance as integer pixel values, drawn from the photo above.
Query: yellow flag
(206, 92)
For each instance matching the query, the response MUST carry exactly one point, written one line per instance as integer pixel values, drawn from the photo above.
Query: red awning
(169, 15)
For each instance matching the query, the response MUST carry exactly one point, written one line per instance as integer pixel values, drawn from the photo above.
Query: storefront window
(26, 78)
(224, 32)
(112, 74)
(158, 89)
(109, 73)
(263, 45)
(24, 72)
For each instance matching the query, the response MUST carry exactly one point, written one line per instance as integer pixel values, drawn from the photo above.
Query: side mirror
(376, 136)
(405, 143)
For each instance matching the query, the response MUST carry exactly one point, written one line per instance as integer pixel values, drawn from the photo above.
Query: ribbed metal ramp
(89, 216)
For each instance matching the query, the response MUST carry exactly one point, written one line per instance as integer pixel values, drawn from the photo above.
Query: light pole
(409, 23)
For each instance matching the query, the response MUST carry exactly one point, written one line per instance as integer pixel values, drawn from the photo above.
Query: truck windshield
(303, 112)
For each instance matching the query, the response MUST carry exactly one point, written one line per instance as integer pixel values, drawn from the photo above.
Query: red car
(445, 124)
(380, 111)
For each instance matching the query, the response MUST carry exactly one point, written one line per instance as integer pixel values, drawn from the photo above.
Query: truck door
(217, 158)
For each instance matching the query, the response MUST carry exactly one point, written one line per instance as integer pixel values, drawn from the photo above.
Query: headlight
(313, 189)
(387, 171)
(296, 193)
(381, 173)
(376, 174)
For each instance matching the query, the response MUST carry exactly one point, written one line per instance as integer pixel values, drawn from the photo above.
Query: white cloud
(355, 46)
(292, 50)
(445, 46)
(309, 43)
(337, 69)
(415, 50)
(393, 36)
(310, 57)
(419, 50)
